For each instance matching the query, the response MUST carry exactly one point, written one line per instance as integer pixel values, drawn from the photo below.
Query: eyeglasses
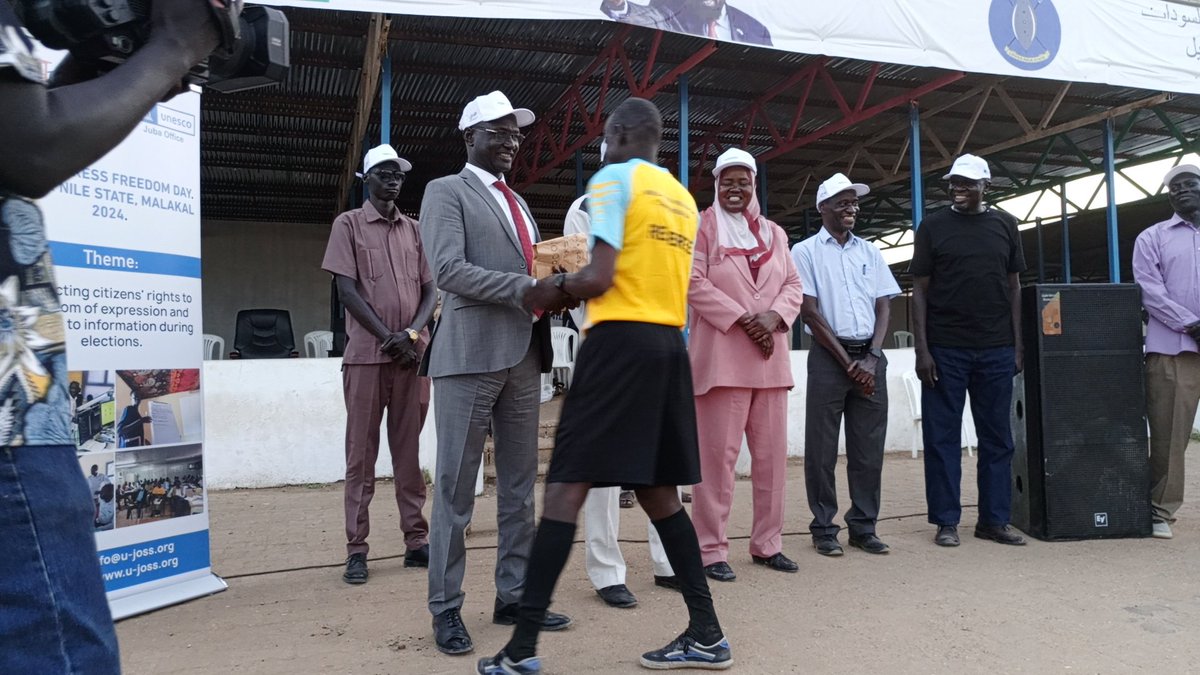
(846, 204)
(515, 137)
(1184, 185)
(962, 183)
(389, 176)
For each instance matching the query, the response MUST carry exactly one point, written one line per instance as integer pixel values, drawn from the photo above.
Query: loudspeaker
(1081, 469)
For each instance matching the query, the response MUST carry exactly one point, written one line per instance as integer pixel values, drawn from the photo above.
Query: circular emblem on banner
(1027, 33)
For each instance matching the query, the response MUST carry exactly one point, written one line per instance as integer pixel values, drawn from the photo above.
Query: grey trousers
(831, 393)
(465, 404)
(1172, 393)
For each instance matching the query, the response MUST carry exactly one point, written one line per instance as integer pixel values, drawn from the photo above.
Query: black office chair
(264, 334)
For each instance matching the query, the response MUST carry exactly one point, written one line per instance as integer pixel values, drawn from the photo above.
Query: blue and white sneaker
(685, 652)
(500, 664)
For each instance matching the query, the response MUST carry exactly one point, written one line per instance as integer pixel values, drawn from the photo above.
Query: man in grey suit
(486, 358)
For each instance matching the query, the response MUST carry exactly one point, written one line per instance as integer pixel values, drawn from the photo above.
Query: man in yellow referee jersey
(629, 418)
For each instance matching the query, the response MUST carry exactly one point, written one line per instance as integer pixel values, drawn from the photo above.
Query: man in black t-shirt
(967, 324)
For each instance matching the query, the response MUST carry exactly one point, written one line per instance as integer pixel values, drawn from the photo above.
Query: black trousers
(832, 395)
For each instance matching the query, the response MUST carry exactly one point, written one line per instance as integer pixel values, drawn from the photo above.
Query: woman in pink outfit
(744, 294)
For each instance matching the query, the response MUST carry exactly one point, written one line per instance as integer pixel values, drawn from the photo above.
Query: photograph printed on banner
(99, 468)
(93, 409)
(156, 484)
(158, 407)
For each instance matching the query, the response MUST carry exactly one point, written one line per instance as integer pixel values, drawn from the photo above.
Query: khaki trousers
(1172, 393)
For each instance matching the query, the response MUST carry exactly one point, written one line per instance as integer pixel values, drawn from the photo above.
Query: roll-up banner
(1151, 44)
(125, 238)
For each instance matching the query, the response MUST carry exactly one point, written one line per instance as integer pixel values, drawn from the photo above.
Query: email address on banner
(151, 560)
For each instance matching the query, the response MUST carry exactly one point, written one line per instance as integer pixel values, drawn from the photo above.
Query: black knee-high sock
(683, 552)
(551, 548)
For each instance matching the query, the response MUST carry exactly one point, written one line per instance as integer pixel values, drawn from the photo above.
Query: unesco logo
(1027, 33)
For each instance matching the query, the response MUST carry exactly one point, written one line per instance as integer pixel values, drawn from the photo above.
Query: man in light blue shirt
(847, 290)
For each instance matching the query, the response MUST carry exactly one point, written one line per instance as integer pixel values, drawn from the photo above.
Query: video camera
(254, 43)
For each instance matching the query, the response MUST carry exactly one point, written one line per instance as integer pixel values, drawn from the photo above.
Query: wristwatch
(559, 281)
(412, 334)
(876, 352)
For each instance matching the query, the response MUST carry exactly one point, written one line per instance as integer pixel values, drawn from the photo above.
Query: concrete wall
(264, 265)
(281, 422)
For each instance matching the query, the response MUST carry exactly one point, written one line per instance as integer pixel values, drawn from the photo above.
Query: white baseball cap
(734, 157)
(383, 153)
(970, 166)
(491, 107)
(1179, 170)
(838, 183)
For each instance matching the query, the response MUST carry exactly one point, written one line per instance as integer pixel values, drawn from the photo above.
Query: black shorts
(629, 418)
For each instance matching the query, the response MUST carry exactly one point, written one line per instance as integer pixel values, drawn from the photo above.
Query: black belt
(854, 347)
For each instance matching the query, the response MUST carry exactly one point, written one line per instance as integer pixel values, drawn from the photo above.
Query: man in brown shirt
(375, 255)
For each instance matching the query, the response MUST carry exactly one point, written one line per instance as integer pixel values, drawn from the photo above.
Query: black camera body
(254, 51)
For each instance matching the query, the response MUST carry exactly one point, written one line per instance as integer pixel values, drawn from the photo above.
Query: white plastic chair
(566, 346)
(912, 387)
(903, 339)
(968, 428)
(214, 347)
(318, 343)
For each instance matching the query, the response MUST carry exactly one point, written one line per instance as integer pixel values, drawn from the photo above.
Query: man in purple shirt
(1166, 264)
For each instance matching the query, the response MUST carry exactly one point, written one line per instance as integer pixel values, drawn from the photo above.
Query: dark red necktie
(518, 217)
(519, 222)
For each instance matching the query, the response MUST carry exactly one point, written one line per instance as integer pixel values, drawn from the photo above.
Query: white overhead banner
(1150, 44)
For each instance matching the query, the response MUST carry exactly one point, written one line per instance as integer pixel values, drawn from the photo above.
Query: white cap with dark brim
(491, 107)
(837, 184)
(734, 157)
(971, 167)
(383, 153)
(1179, 171)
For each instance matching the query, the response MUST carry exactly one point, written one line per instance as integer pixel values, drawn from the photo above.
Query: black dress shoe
(617, 596)
(827, 544)
(450, 634)
(720, 571)
(1002, 534)
(417, 557)
(778, 562)
(947, 535)
(869, 543)
(356, 569)
(506, 615)
(670, 583)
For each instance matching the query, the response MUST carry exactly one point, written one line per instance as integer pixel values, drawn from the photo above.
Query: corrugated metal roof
(277, 154)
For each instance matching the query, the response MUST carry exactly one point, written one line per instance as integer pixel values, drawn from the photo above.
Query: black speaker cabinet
(1081, 468)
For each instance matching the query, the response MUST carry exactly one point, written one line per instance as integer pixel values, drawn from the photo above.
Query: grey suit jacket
(477, 263)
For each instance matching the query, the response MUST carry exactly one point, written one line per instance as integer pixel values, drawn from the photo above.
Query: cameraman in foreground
(54, 617)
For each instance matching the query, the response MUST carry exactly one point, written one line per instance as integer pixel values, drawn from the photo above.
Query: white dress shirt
(488, 180)
(845, 280)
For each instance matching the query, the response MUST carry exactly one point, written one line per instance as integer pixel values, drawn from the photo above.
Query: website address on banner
(126, 558)
(148, 561)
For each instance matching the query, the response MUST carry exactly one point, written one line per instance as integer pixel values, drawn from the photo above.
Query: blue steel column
(684, 132)
(1114, 250)
(385, 100)
(914, 154)
(1066, 237)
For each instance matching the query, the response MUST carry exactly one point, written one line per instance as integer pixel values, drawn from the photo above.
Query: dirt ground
(1112, 606)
